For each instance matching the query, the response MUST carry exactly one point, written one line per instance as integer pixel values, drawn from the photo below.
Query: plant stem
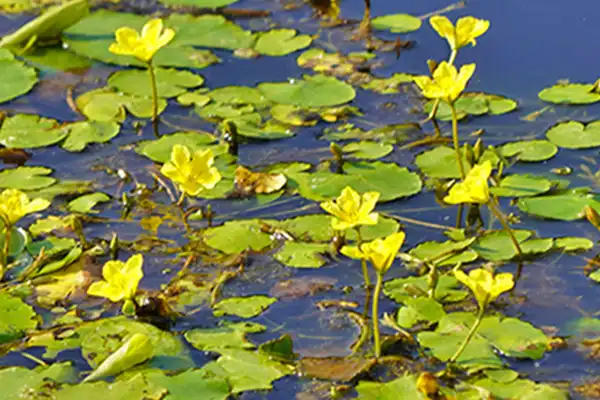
(453, 57)
(469, 335)
(375, 315)
(365, 24)
(154, 98)
(461, 167)
(363, 262)
(498, 214)
(5, 250)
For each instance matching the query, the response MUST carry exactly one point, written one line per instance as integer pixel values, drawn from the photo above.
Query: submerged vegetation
(178, 258)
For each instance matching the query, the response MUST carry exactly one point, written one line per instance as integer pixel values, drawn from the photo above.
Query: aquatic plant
(121, 280)
(143, 47)
(486, 288)
(465, 32)
(448, 84)
(351, 210)
(192, 173)
(381, 253)
(14, 205)
(474, 189)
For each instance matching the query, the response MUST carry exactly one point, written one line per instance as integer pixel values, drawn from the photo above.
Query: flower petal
(352, 252)
(444, 28)
(103, 289)
(151, 31)
(180, 155)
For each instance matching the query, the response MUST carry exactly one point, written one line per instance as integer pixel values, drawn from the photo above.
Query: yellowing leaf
(249, 182)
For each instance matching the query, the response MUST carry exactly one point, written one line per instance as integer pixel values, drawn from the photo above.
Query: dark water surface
(531, 44)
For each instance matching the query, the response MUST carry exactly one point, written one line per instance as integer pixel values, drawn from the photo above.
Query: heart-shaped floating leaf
(104, 104)
(16, 78)
(26, 178)
(17, 317)
(402, 290)
(312, 91)
(567, 205)
(230, 336)
(396, 23)
(279, 42)
(303, 255)
(244, 307)
(389, 179)
(571, 93)
(23, 131)
(159, 150)
(440, 162)
(575, 135)
(529, 150)
(474, 103)
(169, 82)
(400, 388)
(522, 186)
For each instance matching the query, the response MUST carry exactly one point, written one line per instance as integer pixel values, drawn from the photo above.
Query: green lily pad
(56, 58)
(439, 162)
(570, 93)
(417, 310)
(26, 178)
(390, 85)
(573, 244)
(136, 387)
(246, 370)
(575, 135)
(18, 382)
(302, 255)
(522, 186)
(159, 150)
(367, 150)
(236, 236)
(244, 307)
(169, 82)
(400, 388)
(239, 95)
(189, 385)
(510, 336)
(521, 389)
(279, 42)
(312, 91)
(497, 245)
(231, 336)
(444, 253)
(19, 239)
(474, 103)
(390, 134)
(567, 205)
(81, 134)
(401, 290)
(22, 131)
(16, 78)
(389, 179)
(17, 317)
(85, 204)
(208, 30)
(529, 150)
(104, 104)
(396, 23)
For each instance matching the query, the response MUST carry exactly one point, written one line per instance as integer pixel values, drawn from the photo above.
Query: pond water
(530, 46)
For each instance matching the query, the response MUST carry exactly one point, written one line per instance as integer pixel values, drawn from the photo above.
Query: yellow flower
(485, 286)
(130, 43)
(466, 31)
(192, 173)
(121, 279)
(380, 252)
(351, 209)
(474, 189)
(15, 204)
(447, 84)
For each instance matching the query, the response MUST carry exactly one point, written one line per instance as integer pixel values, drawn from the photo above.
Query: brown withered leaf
(14, 156)
(341, 369)
(300, 287)
(248, 182)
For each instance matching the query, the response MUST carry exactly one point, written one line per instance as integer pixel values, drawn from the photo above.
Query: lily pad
(567, 205)
(573, 244)
(389, 179)
(367, 150)
(279, 42)
(200, 3)
(312, 91)
(169, 82)
(396, 23)
(244, 307)
(571, 93)
(439, 162)
(444, 253)
(104, 104)
(81, 134)
(575, 135)
(303, 255)
(236, 236)
(26, 178)
(85, 204)
(474, 103)
(190, 384)
(17, 317)
(159, 150)
(16, 78)
(497, 245)
(231, 336)
(510, 336)
(22, 131)
(529, 150)
(420, 309)
(402, 290)
(522, 186)
(400, 388)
